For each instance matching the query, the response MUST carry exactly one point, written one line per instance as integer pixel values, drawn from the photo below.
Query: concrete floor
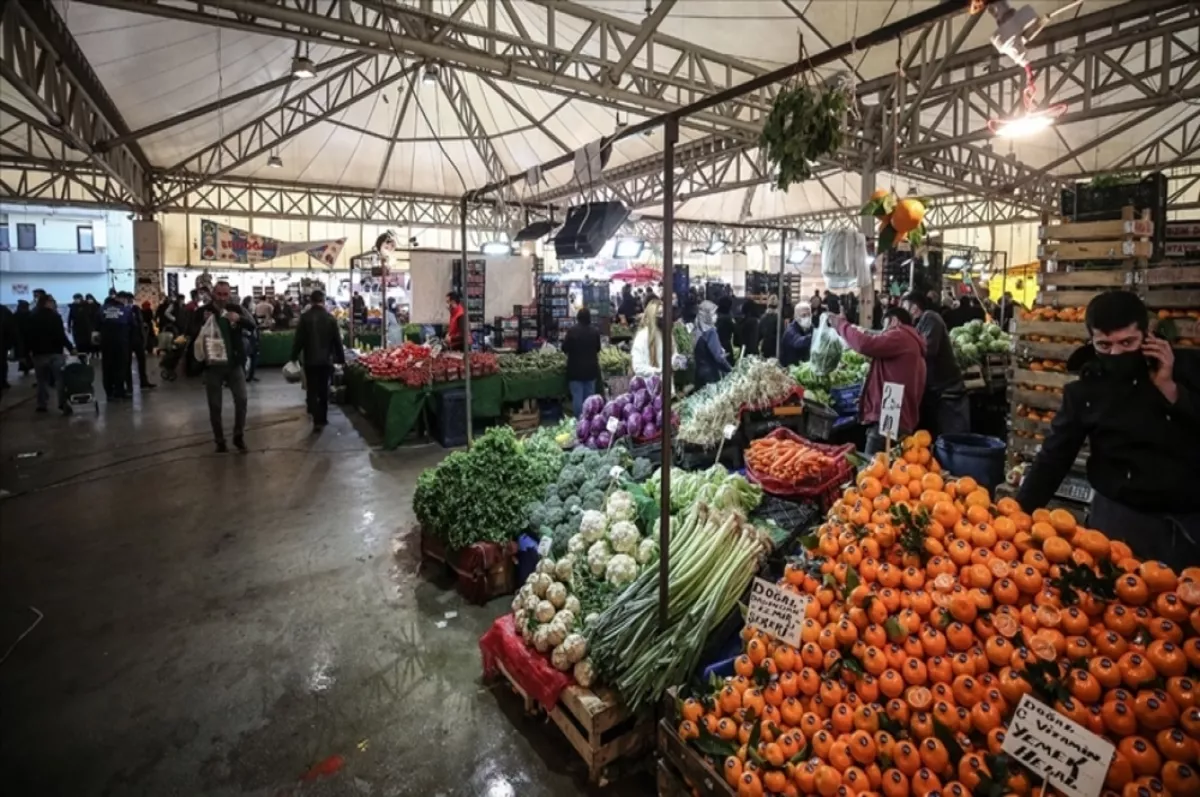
(221, 624)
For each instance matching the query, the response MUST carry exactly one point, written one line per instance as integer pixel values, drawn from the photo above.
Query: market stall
(275, 346)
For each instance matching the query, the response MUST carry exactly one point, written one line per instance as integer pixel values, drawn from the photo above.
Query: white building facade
(64, 251)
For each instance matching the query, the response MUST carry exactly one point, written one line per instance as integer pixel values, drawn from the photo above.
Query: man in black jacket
(318, 343)
(1137, 404)
(582, 347)
(768, 328)
(231, 322)
(944, 406)
(47, 341)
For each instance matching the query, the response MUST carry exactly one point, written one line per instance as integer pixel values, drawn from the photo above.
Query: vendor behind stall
(897, 355)
(582, 347)
(711, 362)
(944, 407)
(454, 331)
(1137, 404)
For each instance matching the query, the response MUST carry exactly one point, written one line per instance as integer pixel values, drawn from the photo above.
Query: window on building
(84, 240)
(27, 236)
(4, 237)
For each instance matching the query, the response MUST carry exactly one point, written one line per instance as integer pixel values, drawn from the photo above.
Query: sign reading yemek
(776, 611)
(1071, 758)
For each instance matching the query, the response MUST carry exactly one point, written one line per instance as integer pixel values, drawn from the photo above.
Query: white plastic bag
(210, 346)
(292, 372)
(827, 346)
(843, 259)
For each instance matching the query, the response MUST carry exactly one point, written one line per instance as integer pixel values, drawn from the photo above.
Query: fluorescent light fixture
(956, 263)
(496, 248)
(430, 75)
(303, 67)
(716, 246)
(1027, 124)
(798, 254)
(629, 248)
(275, 162)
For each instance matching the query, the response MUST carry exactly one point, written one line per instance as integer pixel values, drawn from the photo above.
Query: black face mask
(1126, 366)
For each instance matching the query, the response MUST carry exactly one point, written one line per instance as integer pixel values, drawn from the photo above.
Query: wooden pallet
(687, 767)
(596, 724)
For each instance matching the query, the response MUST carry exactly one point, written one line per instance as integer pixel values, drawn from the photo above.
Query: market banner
(231, 245)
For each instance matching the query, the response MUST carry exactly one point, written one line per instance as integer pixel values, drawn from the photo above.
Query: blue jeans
(48, 368)
(579, 391)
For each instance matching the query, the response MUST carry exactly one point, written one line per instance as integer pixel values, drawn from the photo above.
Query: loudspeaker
(587, 228)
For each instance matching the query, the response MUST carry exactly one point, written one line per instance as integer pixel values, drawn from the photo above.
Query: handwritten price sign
(889, 415)
(1071, 758)
(776, 611)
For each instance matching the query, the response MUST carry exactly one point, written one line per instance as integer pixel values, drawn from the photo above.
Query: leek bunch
(714, 555)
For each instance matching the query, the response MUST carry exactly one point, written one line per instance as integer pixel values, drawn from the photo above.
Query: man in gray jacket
(944, 406)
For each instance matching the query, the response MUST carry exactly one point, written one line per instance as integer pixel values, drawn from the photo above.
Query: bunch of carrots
(788, 460)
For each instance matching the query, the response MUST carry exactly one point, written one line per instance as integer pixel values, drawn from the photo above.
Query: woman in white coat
(647, 349)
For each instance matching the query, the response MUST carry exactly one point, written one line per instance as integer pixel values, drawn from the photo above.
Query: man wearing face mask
(797, 338)
(1137, 404)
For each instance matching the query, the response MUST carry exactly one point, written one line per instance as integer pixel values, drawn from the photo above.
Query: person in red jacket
(454, 332)
(897, 355)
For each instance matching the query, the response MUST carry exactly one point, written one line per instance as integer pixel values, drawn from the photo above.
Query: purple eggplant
(631, 412)
(634, 425)
(636, 384)
(641, 399)
(592, 405)
(601, 440)
(583, 428)
(654, 384)
(657, 403)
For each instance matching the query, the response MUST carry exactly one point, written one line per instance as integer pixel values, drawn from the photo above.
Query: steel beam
(326, 97)
(42, 63)
(471, 124)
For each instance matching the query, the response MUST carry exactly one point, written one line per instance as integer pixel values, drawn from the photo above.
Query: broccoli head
(572, 502)
(593, 499)
(641, 470)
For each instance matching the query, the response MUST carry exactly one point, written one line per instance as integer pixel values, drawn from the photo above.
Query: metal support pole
(670, 138)
(779, 320)
(466, 318)
(383, 311)
(866, 304)
(351, 315)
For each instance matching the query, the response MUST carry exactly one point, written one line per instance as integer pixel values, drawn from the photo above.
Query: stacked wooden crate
(1079, 260)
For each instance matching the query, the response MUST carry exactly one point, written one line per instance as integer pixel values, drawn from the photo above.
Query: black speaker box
(587, 228)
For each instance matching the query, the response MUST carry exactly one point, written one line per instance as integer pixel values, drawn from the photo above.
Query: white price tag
(889, 414)
(776, 611)
(729, 431)
(611, 426)
(1071, 758)
(544, 545)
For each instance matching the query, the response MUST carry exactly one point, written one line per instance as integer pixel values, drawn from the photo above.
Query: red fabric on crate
(502, 645)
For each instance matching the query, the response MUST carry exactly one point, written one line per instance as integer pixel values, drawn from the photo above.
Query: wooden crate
(688, 767)
(596, 724)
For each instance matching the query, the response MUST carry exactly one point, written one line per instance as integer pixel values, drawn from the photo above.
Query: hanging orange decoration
(899, 219)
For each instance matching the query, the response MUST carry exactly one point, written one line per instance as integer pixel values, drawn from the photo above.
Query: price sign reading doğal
(776, 611)
(1071, 758)
(889, 414)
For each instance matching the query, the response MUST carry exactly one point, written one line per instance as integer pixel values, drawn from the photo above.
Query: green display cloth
(275, 348)
(372, 340)
(395, 409)
(520, 387)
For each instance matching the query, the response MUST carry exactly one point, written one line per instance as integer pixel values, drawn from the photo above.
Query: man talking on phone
(229, 370)
(1137, 403)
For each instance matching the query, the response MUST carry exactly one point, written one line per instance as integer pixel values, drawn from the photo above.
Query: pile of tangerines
(933, 611)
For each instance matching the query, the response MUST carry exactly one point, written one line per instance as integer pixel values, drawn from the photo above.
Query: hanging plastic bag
(827, 346)
(843, 259)
(292, 371)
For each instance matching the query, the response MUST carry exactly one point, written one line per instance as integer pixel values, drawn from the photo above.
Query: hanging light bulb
(275, 162)
(1032, 119)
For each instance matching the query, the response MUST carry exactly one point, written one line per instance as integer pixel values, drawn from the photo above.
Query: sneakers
(221, 447)
(239, 443)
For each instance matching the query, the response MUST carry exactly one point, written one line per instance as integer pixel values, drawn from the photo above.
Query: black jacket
(768, 326)
(746, 334)
(318, 338)
(941, 369)
(46, 333)
(582, 347)
(796, 345)
(725, 327)
(1144, 450)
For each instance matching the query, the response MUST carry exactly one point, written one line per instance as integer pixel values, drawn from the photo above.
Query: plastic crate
(845, 399)
(820, 420)
(792, 517)
(451, 426)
